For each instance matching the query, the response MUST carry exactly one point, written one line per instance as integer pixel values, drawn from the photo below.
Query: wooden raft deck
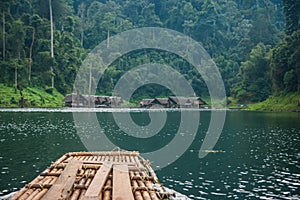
(116, 175)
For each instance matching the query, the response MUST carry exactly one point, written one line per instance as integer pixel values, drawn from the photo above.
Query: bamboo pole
(30, 190)
(69, 158)
(45, 190)
(24, 189)
(81, 158)
(50, 181)
(106, 158)
(19, 193)
(98, 158)
(50, 174)
(83, 191)
(89, 178)
(145, 193)
(61, 159)
(107, 190)
(41, 194)
(131, 158)
(87, 183)
(152, 173)
(147, 178)
(149, 185)
(137, 194)
(38, 190)
(77, 191)
(103, 153)
(102, 158)
(95, 158)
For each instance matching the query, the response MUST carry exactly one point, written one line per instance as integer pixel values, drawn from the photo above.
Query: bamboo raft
(116, 175)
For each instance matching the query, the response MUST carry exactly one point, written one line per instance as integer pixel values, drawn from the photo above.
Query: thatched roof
(114, 100)
(70, 97)
(146, 102)
(186, 101)
(161, 101)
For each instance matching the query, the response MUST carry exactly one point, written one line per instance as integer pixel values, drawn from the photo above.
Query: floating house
(146, 103)
(173, 102)
(160, 103)
(71, 100)
(75, 100)
(115, 101)
(101, 101)
(186, 102)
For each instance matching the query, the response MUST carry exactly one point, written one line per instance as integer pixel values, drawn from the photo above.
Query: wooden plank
(101, 162)
(95, 189)
(61, 159)
(62, 188)
(104, 153)
(121, 183)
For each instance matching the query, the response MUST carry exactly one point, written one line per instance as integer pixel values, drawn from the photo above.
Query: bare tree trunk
(52, 50)
(90, 85)
(30, 57)
(82, 9)
(16, 67)
(108, 43)
(81, 37)
(16, 76)
(52, 77)
(51, 24)
(3, 35)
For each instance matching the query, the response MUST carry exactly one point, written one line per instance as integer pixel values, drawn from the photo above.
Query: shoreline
(131, 109)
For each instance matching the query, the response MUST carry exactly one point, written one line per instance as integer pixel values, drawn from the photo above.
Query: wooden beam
(121, 183)
(62, 188)
(103, 153)
(94, 192)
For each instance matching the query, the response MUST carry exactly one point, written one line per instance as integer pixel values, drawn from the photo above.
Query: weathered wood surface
(121, 183)
(94, 191)
(94, 175)
(62, 188)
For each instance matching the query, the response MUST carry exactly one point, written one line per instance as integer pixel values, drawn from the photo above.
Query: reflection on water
(257, 155)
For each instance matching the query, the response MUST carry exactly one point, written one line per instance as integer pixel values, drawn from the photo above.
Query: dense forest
(255, 44)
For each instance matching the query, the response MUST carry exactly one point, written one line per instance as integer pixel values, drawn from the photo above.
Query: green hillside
(287, 102)
(34, 97)
(255, 45)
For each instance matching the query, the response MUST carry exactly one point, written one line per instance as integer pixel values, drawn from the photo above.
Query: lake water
(256, 156)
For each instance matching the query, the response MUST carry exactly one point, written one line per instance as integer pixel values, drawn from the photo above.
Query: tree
(52, 48)
(3, 35)
(16, 44)
(5, 8)
(255, 82)
(292, 14)
(149, 17)
(286, 64)
(30, 54)
(82, 21)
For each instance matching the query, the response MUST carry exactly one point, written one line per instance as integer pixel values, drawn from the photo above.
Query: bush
(49, 90)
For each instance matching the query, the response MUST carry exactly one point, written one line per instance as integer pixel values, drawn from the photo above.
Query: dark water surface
(257, 155)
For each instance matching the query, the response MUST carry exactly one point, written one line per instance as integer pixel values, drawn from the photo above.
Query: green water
(258, 153)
